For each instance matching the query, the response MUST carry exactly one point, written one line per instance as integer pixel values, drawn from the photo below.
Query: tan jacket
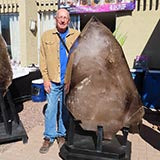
(49, 55)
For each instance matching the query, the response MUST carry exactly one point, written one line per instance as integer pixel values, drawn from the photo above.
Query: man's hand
(47, 86)
(66, 88)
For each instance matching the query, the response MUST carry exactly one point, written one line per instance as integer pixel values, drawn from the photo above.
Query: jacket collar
(70, 31)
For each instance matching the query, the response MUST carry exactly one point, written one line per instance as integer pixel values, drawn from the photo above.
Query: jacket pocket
(50, 46)
(50, 42)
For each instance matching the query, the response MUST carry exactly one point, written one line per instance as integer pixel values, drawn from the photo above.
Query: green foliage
(121, 38)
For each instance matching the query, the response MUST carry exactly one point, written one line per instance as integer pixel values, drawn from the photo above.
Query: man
(53, 63)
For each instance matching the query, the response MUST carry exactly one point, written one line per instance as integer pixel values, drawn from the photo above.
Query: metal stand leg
(71, 131)
(125, 131)
(4, 114)
(99, 138)
(12, 107)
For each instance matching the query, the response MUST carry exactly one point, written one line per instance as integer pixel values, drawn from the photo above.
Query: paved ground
(30, 150)
(145, 146)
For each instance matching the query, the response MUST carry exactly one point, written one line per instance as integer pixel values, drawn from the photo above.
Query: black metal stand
(11, 129)
(89, 145)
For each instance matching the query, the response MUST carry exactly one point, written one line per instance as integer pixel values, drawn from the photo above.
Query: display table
(148, 86)
(21, 84)
(151, 89)
(20, 72)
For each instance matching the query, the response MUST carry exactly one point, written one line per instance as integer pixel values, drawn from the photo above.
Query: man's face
(62, 20)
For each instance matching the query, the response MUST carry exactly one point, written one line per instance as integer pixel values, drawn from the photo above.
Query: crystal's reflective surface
(5, 67)
(102, 90)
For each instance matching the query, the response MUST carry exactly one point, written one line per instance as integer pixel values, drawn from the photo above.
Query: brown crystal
(5, 67)
(102, 91)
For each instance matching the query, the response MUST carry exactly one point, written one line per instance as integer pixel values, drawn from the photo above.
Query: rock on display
(102, 90)
(5, 67)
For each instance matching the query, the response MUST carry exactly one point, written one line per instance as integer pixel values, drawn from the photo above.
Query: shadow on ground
(150, 135)
(152, 117)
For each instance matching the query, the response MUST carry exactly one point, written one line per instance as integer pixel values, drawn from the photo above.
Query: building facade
(22, 23)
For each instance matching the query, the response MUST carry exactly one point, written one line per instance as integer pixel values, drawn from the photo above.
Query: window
(9, 28)
(4, 19)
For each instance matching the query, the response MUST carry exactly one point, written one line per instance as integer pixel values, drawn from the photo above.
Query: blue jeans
(53, 127)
